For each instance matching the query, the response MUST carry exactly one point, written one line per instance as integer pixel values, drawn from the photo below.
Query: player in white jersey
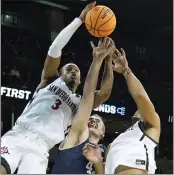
(49, 113)
(132, 152)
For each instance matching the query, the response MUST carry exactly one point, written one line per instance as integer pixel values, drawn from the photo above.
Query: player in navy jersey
(132, 152)
(73, 156)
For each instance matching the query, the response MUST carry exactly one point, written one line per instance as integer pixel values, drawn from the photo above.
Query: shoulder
(46, 82)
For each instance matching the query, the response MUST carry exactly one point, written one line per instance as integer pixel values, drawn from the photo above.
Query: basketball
(100, 21)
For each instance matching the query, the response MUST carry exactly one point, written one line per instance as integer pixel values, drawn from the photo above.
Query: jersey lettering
(56, 104)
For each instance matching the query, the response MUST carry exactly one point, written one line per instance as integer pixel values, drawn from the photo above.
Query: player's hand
(103, 49)
(120, 63)
(85, 11)
(92, 153)
(112, 44)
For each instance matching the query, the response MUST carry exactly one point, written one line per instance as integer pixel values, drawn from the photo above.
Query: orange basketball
(100, 21)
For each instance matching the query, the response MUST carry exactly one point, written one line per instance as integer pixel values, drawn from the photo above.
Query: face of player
(71, 75)
(96, 127)
(136, 117)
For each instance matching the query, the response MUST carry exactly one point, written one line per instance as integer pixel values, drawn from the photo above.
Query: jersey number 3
(56, 104)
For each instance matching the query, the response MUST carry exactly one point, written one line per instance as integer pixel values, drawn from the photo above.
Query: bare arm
(99, 168)
(144, 104)
(142, 100)
(104, 93)
(80, 122)
(86, 104)
(52, 61)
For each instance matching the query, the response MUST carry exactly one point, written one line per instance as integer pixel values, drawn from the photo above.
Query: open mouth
(92, 125)
(73, 77)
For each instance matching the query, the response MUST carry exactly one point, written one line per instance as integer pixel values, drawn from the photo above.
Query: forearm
(107, 80)
(139, 94)
(134, 85)
(91, 79)
(106, 85)
(99, 168)
(62, 39)
(79, 123)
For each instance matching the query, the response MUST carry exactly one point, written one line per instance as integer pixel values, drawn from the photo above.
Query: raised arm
(79, 128)
(136, 89)
(104, 93)
(80, 121)
(52, 61)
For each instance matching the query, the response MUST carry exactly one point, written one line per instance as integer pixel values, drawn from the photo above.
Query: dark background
(144, 30)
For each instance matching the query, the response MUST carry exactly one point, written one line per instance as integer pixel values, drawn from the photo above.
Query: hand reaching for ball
(85, 11)
(105, 46)
(120, 63)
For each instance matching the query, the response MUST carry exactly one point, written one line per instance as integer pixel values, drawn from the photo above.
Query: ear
(102, 136)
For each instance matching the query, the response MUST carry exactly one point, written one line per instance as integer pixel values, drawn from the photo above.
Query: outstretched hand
(103, 49)
(120, 63)
(85, 11)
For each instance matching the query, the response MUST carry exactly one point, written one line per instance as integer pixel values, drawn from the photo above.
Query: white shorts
(136, 156)
(26, 152)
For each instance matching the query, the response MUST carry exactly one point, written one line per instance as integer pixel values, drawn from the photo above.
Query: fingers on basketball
(92, 4)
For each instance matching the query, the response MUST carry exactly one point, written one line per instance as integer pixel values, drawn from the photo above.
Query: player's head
(136, 117)
(96, 127)
(71, 75)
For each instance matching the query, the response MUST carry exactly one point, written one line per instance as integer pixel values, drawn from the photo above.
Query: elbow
(140, 95)
(105, 95)
(102, 97)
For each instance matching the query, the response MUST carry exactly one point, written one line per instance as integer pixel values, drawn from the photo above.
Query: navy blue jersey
(72, 161)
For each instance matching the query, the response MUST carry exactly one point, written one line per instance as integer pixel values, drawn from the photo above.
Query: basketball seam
(98, 29)
(101, 30)
(106, 21)
(98, 33)
(98, 19)
(90, 21)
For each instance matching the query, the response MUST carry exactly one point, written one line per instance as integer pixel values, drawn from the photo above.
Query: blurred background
(144, 30)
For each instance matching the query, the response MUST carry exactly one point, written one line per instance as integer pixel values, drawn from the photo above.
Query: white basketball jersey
(133, 148)
(135, 134)
(50, 112)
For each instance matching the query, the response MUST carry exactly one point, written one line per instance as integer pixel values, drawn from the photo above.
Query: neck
(93, 139)
(70, 85)
(73, 89)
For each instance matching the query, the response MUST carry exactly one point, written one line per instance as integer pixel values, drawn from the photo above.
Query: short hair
(96, 115)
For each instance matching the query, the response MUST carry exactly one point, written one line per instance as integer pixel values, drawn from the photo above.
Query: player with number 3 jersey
(49, 113)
